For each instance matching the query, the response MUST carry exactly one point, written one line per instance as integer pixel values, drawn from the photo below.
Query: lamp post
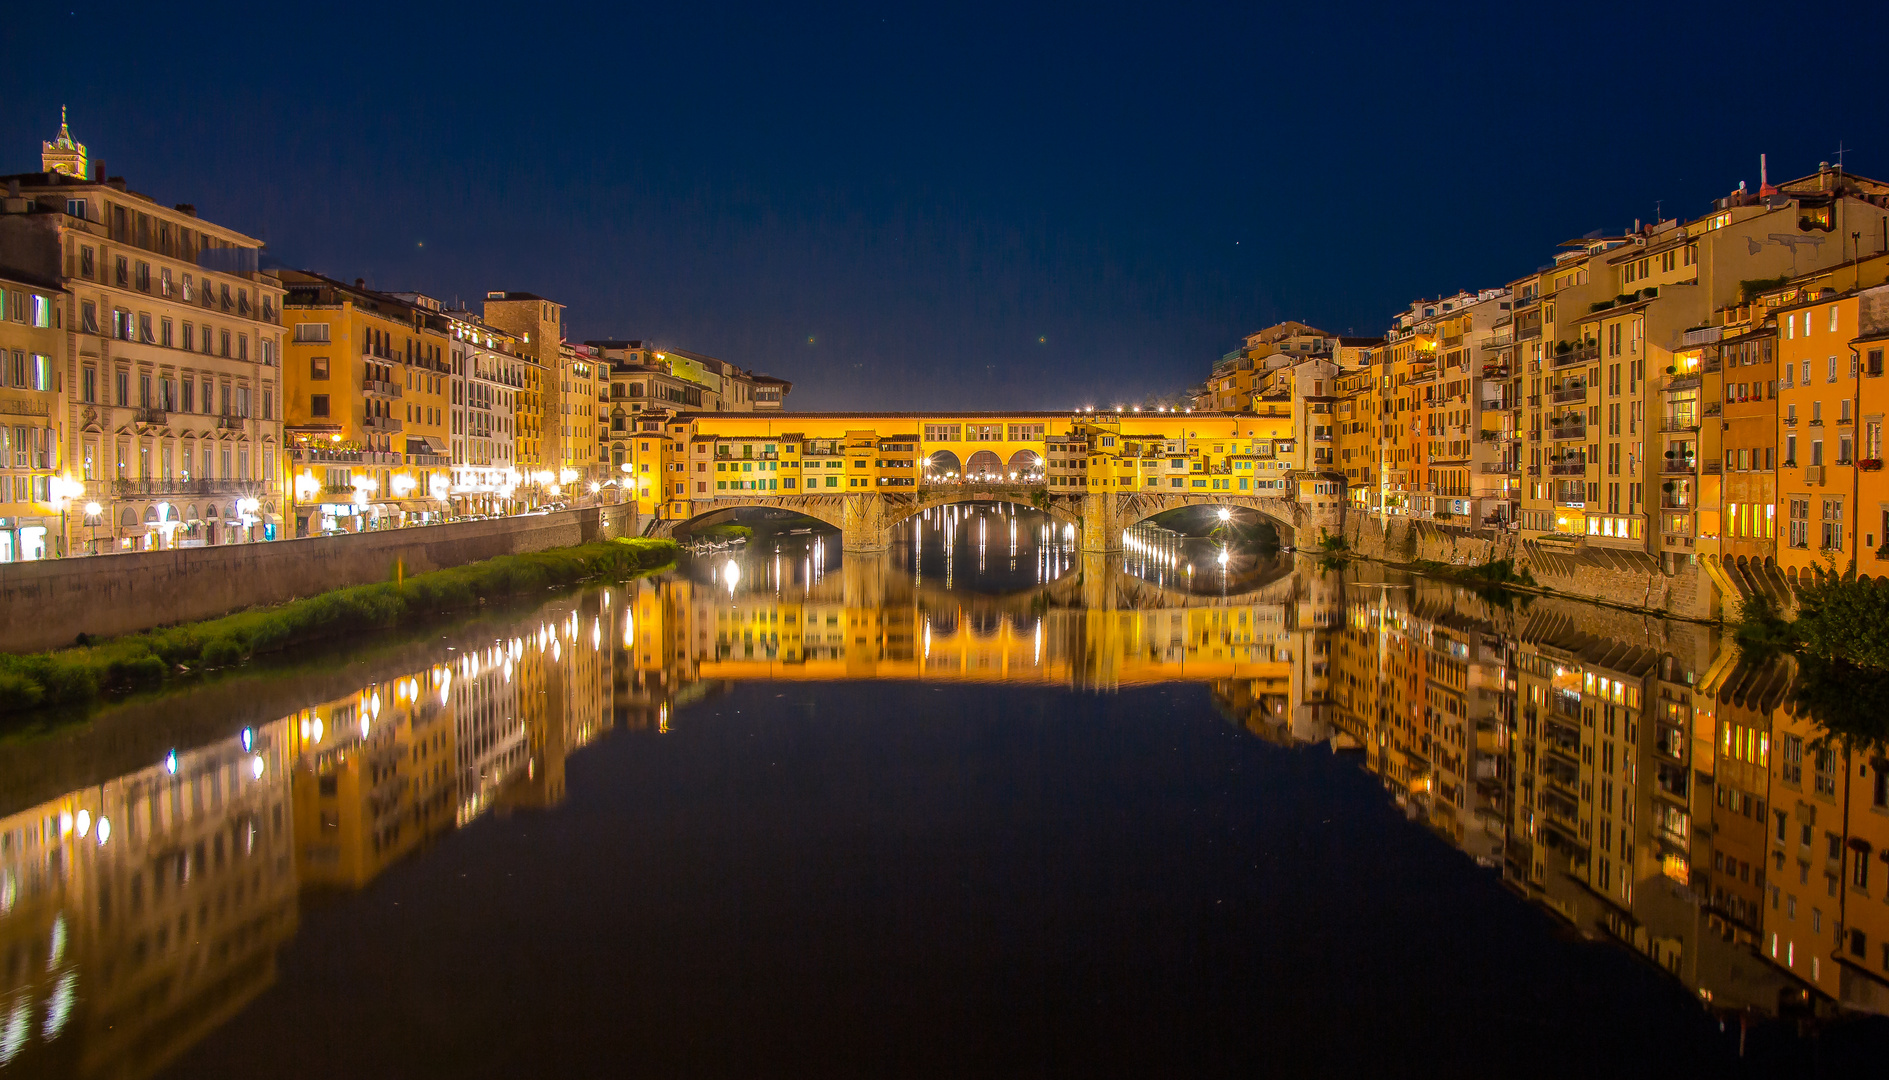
(246, 512)
(92, 512)
(63, 492)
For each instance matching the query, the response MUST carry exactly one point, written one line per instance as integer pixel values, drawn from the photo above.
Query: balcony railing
(152, 416)
(1503, 467)
(1568, 468)
(1568, 431)
(1579, 355)
(1684, 381)
(231, 423)
(383, 387)
(1679, 423)
(387, 424)
(152, 485)
(23, 408)
(316, 455)
(1677, 467)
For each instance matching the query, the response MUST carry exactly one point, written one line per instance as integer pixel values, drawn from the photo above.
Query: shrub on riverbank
(1839, 642)
(73, 675)
(1500, 573)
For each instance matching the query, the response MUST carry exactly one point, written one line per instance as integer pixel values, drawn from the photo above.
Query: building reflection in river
(138, 914)
(1619, 771)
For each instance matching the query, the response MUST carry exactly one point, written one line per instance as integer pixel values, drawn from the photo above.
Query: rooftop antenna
(1764, 178)
(1840, 152)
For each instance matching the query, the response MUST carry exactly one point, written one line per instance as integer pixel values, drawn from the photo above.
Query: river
(979, 806)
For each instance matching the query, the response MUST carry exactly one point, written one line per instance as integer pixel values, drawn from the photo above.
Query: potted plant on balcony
(1869, 464)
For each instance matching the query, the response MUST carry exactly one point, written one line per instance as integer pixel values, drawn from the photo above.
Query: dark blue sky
(943, 206)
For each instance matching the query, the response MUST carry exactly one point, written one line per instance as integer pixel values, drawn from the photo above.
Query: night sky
(899, 207)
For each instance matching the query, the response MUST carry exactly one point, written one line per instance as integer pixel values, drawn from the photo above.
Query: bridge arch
(828, 510)
(1284, 515)
(898, 512)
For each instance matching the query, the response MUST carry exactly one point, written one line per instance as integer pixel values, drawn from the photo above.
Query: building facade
(168, 381)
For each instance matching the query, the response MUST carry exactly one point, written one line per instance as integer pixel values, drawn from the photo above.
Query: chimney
(187, 208)
(360, 283)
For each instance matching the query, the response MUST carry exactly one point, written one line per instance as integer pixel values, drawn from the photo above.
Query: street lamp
(246, 512)
(65, 490)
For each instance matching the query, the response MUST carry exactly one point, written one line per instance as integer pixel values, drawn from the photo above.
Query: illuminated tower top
(63, 155)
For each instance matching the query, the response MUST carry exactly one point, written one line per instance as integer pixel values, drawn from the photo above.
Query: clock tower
(63, 155)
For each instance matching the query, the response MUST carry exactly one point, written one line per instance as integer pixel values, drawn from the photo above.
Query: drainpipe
(1856, 447)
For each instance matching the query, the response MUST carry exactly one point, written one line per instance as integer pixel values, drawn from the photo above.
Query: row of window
(178, 459)
(20, 306)
(23, 447)
(139, 327)
(26, 371)
(170, 394)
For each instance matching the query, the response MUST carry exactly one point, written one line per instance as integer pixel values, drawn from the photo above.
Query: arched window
(984, 465)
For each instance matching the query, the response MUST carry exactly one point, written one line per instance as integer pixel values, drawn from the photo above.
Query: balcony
(152, 486)
(384, 424)
(1534, 470)
(232, 423)
(1676, 467)
(1579, 355)
(1504, 468)
(151, 416)
(317, 455)
(382, 387)
(1675, 502)
(1679, 423)
(1568, 431)
(1568, 468)
(23, 408)
(1571, 394)
(1813, 474)
(1684, 381)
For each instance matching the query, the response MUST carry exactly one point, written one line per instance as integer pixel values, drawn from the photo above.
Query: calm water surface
(981, 806)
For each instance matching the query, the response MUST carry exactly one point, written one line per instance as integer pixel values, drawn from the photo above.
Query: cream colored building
(34, 491)
(171, 418)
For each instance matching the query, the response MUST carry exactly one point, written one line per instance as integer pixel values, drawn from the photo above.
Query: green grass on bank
(67, 676)
(725, 532)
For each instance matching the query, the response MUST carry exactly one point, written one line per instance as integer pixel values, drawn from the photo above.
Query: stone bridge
(865, 520)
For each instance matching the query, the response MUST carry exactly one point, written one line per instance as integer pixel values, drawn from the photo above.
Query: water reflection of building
(1574, 751)
(373, 778)
(139, 913)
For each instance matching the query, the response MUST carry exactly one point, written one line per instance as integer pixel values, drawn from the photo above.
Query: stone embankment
(1628, 579)
(48, 604)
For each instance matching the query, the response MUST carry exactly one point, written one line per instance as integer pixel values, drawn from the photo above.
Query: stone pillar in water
(863, 527)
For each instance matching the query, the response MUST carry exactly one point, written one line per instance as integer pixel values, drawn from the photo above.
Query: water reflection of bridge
(1093, 626)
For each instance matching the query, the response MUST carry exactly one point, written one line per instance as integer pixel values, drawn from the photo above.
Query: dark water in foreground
(812, 815)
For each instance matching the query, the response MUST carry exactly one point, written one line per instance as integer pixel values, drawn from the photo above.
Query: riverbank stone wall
(1627, 578)
(49, 603)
